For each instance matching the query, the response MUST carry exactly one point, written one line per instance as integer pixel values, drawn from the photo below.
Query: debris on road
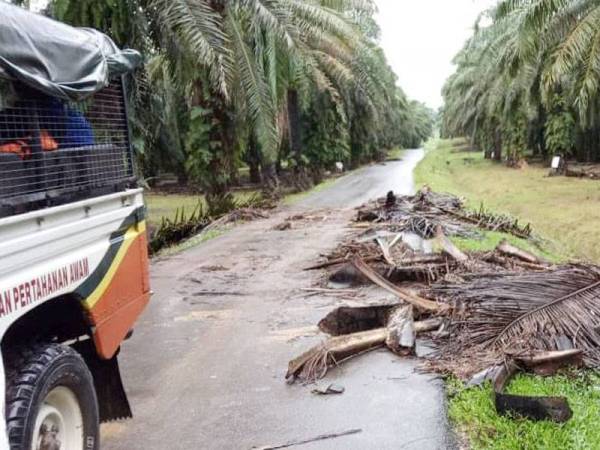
(480, 311)
(423, 212)
(200, 222)
(332, 389)
(283, 226)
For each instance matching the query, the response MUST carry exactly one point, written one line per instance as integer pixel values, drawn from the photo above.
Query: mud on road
(205, 367)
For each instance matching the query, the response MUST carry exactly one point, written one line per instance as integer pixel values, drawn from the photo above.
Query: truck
(73, 247)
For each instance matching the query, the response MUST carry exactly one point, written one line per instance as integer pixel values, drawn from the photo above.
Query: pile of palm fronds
(487, 304)
(184, 226)
(556, 309)
(425, 211)
(498, 222)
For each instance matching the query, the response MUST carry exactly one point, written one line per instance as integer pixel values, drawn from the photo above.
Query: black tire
(34, 374)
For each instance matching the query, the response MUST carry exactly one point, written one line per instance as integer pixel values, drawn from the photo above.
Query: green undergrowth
(473, 413)
(165, 206)
(489, 240)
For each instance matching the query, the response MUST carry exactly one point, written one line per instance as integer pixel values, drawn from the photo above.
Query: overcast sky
(420, 38)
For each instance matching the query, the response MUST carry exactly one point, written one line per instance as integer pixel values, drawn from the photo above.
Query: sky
(420, 38)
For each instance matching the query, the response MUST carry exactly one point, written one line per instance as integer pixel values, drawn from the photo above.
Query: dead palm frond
(542, 310)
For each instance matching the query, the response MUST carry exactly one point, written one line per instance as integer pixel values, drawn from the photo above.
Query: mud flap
(112, 399)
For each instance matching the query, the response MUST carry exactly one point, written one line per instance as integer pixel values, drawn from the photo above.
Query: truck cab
(73, 248)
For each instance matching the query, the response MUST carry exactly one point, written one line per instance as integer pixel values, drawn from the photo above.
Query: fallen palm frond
(425, 211)
(510, 250)
(182, 226)
(448, 247)
(200, 220)
(537, 310)
(398, 333)
(420, 214)
(408, 297)
(497, 222)
(314, 364)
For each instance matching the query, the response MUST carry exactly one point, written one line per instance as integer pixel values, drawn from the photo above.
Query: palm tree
(532, 76)
(246, 69)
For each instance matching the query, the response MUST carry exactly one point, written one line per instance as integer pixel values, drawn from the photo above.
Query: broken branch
(448, 246)
(510, 250)
(408, 297)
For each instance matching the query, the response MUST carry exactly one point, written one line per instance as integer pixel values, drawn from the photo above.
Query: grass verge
(473, 412)
(166, 205)
(563, 210)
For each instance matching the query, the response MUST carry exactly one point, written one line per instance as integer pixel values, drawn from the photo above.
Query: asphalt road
(368, 183)
(205, 367)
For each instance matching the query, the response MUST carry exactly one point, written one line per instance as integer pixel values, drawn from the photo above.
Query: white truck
(73, 248)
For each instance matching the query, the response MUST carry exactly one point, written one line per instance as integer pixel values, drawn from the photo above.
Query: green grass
(565, 211)
(473, 413)
(161, 205)
(491, 239)
(166, 205)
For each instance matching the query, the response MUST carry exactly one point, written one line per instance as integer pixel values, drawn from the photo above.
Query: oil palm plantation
(250, 74)
(529, 80)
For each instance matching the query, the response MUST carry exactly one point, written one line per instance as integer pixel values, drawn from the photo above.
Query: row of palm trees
(528, 80)
(270, 83)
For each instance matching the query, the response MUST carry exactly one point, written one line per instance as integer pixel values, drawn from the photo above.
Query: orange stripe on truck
(122, 294)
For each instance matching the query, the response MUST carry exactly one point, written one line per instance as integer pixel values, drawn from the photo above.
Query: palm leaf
(201, 28)
(258, 98)
(574, 315)
(533, 311)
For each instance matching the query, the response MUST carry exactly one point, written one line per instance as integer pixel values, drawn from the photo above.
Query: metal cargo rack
(54, 152)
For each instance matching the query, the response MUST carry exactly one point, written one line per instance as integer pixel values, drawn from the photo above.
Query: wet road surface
(205, 367)
(368, 183)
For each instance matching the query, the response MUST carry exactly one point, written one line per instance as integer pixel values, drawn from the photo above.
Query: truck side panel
(94, 250)
(118, 290)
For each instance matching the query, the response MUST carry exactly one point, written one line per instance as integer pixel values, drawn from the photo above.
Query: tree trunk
(295, 125)
(216, 182)
(498, 145)
(221, 157)
(253, 158)
(302, 180)
(270, 180)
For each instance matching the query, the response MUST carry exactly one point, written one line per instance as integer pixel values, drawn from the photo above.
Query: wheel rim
(59, 423)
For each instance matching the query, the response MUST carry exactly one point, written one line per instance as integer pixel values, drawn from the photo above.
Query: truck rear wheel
(51, 402)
